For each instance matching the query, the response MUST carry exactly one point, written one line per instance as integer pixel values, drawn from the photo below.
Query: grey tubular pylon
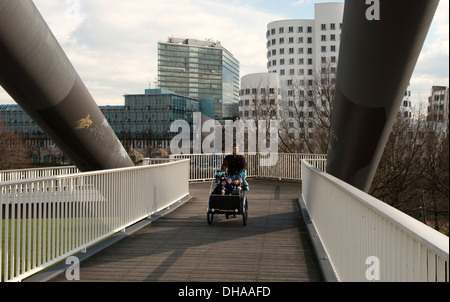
(37, 74)
(379, 49)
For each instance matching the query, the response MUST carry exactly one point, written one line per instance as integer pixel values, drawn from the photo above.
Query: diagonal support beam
(381, 42)
(37, 74)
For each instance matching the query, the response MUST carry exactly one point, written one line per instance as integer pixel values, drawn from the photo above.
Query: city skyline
(113, 46)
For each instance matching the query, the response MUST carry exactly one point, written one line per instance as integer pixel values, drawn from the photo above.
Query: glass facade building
(149, 115)
(143, 122)
(201, 70)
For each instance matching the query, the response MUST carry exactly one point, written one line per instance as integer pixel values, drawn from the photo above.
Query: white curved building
(260, 96)
(297, 48)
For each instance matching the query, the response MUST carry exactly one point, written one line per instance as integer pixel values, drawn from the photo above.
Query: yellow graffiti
(84, 123)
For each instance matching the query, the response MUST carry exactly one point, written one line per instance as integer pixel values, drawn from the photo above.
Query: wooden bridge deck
(182, 247)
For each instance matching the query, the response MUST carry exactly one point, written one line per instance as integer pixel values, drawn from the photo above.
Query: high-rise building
(200, 69)
(297, 49)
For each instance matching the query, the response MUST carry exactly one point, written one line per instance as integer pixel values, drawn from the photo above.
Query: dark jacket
(218, 190)
(234, 164)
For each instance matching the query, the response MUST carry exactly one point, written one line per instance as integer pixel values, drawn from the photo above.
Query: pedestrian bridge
(149, 224)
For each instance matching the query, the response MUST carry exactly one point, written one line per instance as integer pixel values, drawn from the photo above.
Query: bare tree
(305, 126)
(13, 153)
(413, 172)
(263, 105)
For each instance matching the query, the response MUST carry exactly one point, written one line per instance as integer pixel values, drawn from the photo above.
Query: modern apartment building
(297, 49)
(204, 70)
(438, 104)
(303, 54)
(260, 96)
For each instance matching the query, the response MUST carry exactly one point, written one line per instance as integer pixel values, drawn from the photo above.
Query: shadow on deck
(182, 247)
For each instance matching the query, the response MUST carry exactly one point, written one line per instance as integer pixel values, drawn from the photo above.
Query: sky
(113, 43)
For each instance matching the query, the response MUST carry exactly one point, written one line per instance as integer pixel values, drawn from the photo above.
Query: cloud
(299, 2)
(113, 44)
(432, 65)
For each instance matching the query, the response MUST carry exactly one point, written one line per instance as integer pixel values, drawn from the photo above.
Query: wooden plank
(274, 246)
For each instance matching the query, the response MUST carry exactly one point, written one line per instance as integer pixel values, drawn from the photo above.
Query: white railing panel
(43, 221)
(11, 175)
(287, 167)
(366, 239)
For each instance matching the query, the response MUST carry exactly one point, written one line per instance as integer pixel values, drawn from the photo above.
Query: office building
(204, 70)
(142, 123)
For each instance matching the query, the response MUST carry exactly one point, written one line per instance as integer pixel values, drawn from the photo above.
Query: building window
(332, 26)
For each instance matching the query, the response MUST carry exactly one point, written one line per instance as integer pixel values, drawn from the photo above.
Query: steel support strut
(380, 44)
(37, 74)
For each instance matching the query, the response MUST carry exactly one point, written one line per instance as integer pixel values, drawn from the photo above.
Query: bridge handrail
(286, 167)
(19, 174)
(407, 249)
(45, 220)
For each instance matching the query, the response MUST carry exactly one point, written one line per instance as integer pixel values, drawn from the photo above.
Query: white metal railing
(43, 221)
(10, 175)
(366, 239)
(287, 166)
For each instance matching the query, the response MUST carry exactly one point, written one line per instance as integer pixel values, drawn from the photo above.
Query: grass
(50, 238)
